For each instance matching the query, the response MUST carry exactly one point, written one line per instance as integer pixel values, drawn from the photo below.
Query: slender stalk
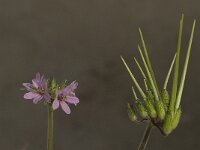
(176, 68)
(134, 80)
(145, 138)
(140, 68)
(148, 61)
(169, 73)
(50, 128)
(149, 74)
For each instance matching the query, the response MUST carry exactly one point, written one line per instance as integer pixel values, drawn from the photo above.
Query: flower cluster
(51, 93)
(156, 105)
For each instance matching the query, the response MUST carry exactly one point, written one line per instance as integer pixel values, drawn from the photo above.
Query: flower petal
(44, 84)
(72, 100)
(41, 78)
(28, 86)
(70, 87)
(73, 85)
(37, 99)
(65, 107)
(30, 95)
(47, 96)
(38, 76)
(35, 83)
(55, 104)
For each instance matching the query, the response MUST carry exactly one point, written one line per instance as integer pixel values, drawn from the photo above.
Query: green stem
(145, 138)
(50, 128)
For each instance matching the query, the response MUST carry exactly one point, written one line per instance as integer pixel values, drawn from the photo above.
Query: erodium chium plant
(53, 95)
(157, 106)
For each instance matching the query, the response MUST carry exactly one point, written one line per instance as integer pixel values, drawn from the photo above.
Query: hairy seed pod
(150, 96)
(168, 123)
(165, 97)
(177, 118)
(131, 113)
(150, 109)
(141, 109)
(160, 109)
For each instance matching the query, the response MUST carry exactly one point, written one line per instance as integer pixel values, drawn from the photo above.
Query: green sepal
(160, 109)
(131, 113)
(168, 123)
(53, 87)
(177, 118)
(141, 110)
(53, 84)
(63, 84)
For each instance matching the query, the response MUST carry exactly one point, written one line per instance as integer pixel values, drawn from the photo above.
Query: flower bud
(177, 117)
(141, 109)
(168, 123)
(131, 113)
(160, 109)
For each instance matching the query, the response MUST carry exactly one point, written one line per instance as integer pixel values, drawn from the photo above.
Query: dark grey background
(82, 40)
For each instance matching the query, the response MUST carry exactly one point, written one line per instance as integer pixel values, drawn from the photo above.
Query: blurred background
(83, 40)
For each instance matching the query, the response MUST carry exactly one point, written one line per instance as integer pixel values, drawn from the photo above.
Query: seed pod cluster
(155, 105)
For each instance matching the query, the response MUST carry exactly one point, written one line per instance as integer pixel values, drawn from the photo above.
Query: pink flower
(38, 90)
(66, 96)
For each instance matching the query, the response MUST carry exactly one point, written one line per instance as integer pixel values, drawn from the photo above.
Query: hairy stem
(50, 128)
(145, 138)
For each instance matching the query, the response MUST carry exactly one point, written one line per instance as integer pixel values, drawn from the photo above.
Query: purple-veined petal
(28, 86)
(42, 78)
(47, 96)
(59, 93)
(74, 85)
(65, 107)
(44, 84)
(70, 87)
(72, 100)
(37, 99)
(71, 94)
(66, 90)
(38, 76)
(30, 95)
(55, 104)
(35, 83)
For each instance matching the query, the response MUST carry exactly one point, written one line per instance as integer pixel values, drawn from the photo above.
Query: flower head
(66, 96)
(37, 90)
